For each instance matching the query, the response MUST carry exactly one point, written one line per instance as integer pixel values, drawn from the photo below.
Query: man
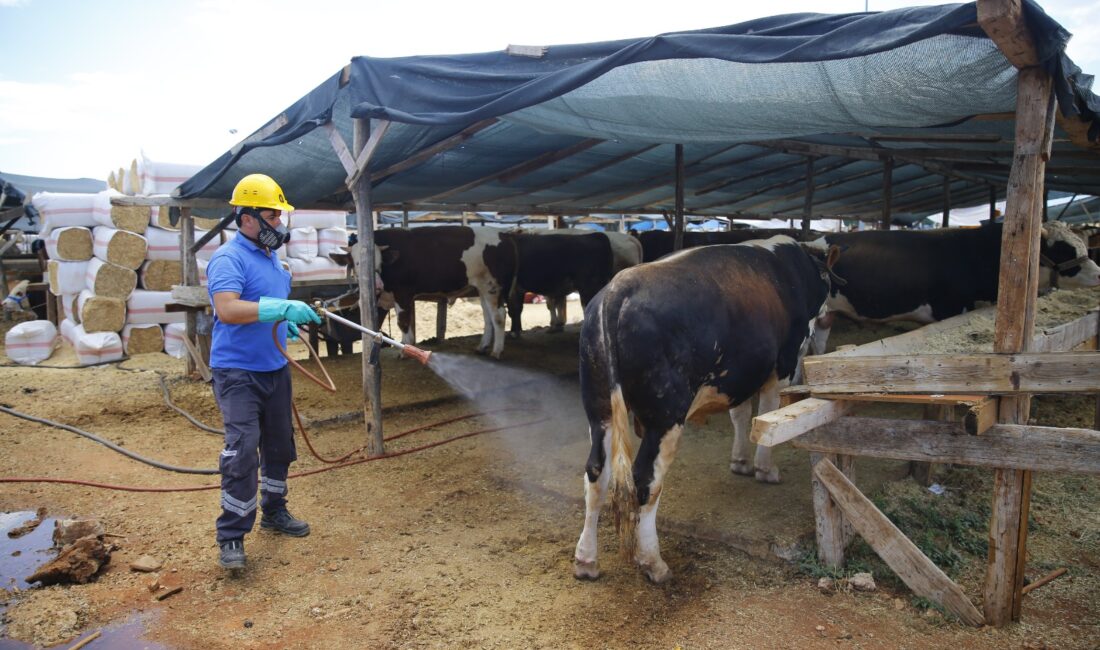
(248, 288)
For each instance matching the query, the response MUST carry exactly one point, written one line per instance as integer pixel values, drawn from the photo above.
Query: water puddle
(20, 556)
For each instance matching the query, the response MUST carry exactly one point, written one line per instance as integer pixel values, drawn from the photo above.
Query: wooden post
(441, 319)
(1046, 198)
(992, 203)
(946, 202)
(1014, 328)
(678, 228)
(372, 369)
(405, 218)
(828, 519)
(807, 207)
(190, 274)
(887, 192)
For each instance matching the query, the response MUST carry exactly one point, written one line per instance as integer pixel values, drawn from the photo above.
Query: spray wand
(410, 351)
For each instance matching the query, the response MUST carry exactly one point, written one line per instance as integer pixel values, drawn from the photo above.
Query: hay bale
(129, 218)
(69, 306)
(71, 244)
(66, 277)
(142, 339)
(147, 307)
(120, 247)
(101, 313)
(163, 244)
(160, 275)
(202, 223)
(159, 218)
(111, 280)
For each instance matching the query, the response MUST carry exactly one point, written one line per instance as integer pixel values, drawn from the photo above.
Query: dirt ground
(470, 544)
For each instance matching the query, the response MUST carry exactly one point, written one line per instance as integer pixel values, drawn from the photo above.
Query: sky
(87, 86)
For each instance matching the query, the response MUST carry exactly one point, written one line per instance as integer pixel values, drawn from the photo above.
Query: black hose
(108, 444)
(190, 418)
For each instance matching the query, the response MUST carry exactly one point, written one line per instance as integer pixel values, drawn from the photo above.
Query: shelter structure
(806, 116)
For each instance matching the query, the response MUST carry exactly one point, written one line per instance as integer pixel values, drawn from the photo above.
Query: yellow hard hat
(259, 191)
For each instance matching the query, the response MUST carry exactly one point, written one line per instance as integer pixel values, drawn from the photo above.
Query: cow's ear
(832, 256)
(340, 258)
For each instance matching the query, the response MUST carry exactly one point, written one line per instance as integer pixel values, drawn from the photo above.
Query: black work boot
(283, 522)
(232, 554)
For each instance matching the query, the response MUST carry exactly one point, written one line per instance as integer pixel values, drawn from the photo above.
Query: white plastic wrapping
(302, 244)
(331, 240)
(66, 329)
(317, 268)
(162, 244)
(31, 342)
(158, 177)
(66, 277)
(64, 210)
(173, 340)
(317, 219)
(208, 249)
(96, 347)
(147, 307)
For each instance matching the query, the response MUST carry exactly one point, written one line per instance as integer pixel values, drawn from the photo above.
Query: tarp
(28, 186)
(724, 93)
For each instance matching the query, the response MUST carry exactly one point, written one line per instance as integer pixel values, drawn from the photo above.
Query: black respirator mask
(268, 237)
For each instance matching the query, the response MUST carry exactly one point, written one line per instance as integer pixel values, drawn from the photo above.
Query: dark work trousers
(258, 435)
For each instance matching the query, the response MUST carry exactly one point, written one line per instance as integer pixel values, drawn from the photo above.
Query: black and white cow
(700, 331)
(556, 265)
(926, 276)
(449, 261)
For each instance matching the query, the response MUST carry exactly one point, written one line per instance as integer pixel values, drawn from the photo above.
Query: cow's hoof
(742, 467)
(513, 335)
(482, 350)
(769, 476)
(586, 570)
(556, 329)
(657, 572)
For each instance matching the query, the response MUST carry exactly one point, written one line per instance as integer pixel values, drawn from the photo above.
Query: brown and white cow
(929, 275)
(448, 261)
(699, 331)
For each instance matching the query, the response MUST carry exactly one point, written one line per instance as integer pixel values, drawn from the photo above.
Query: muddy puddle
(20, 556)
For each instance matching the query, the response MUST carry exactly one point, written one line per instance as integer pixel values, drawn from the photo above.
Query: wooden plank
(808, 203)
(1003, 21)
(828, 519)
(789, 422)
(586, 172)
(678, 209)
(441, 320)
(1012, 446)
(262, 133)
(981, 416)
(1067, 336)
(434, 150)
(907, 561)
(190, 274)
(341, 149)
(377, 132)
(169, 201)
(887, 193)
(1026, 372)
(905, 398)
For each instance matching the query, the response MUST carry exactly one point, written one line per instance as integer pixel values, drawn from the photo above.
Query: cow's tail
(624, 495)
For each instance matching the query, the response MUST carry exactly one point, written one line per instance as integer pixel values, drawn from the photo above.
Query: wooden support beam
(341, 148)
(907, 561)
(787, 423)
(441, 319)
(946, 220)
(427, 153)
(724, 183)
(190, 273)
(362, 159)
(828, 518)
(371, 369)
(515, 171)
(957, 138)
(818, 187)
(262, 133)
(1003, 21)
(981, 417)
(1062, 372)
(611, 162)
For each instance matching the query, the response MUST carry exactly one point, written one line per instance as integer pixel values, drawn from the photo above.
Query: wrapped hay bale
(160, 275)
(67, 327)
(162, 244)
(302, 244)
(111, 280)
(31, 342)
(131, 218)
(68, 306)
(112, 182)
(69, 244)
(148, 307)
(142, 339)
(158, 177)
(100, 313)
(120, 247)
(64, 210)
(331, 240)
(95, 347)
(173, 340)
(317, 268)
(159, 218)
(207, 251)
(203, 223)
(66, 277)
(317, 219)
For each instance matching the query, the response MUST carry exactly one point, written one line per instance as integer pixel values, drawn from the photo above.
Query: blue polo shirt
(244, 268)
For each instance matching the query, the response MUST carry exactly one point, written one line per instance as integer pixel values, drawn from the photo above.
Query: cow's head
(1064, 259)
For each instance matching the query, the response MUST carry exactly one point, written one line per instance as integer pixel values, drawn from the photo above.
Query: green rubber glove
(292, 331)
(293, 311)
